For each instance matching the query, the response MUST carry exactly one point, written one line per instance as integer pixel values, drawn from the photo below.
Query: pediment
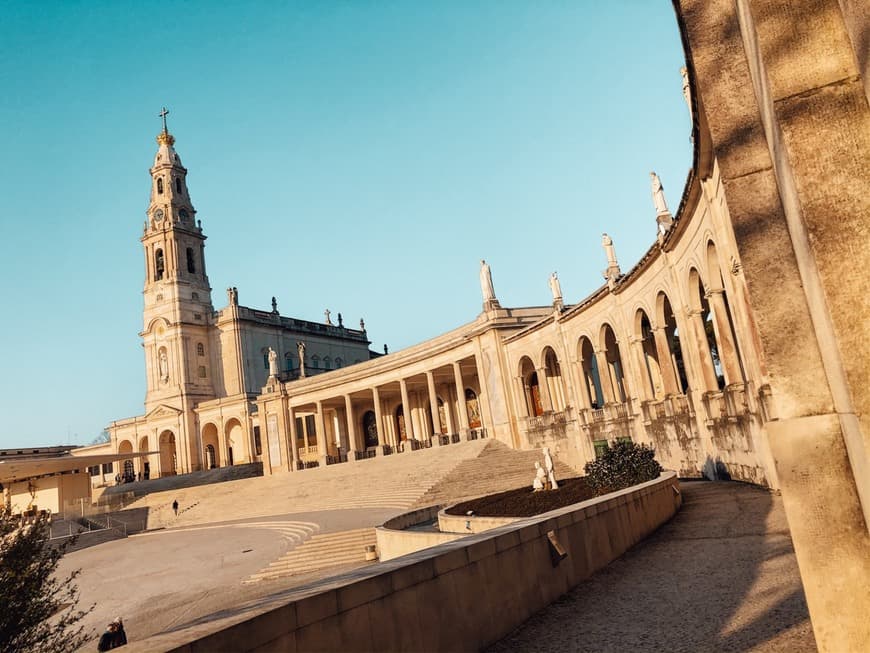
(163, 411)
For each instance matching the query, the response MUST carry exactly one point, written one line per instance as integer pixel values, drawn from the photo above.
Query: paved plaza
(721, 576)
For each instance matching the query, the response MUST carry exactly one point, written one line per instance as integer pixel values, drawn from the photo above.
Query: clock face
(158, 214)
(183, 213)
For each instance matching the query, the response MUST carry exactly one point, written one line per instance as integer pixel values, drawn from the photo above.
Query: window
(107, 468)
(94, 471)
(288, 362)
(178, 184)
(601, 447)
(327, 363)
(202, 371)
(160, 185)
(200, 349)
(337, 363)
(191, 264)
(266, 360)
(258, 446)
(159, 265)
(315, 361)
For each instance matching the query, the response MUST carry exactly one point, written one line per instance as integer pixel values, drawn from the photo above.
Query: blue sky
(356, 156)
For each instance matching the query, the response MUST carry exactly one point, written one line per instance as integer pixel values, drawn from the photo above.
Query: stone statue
(687, 89)
(607, 243)
(540, 477)
(658, 194)
(163, 365)
(300, 350)
(386, 350)
(486, 282)
(362, 324)
(233, 296)
(273, 362)
(555, 287)
(548, 466)
(340, 320)
(274, 305)
(327, 313)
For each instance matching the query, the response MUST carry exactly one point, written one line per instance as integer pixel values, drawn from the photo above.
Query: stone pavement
(721, 576)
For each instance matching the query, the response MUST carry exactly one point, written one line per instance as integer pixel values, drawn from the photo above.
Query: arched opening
(159, 265)
(589, 371)
(235, 441)
(370, 429)
(191, 261)
(729, 348)
(472, 406)
(144, 463)
(668, 322)
(531, 387)
(160, 185)
(210, 440)
(288, 362)
(168, 455)
(210, 457)
(613, 377)
(178, 185)
(555, 384)
(127, 473)
(649, 356)
(400, 423)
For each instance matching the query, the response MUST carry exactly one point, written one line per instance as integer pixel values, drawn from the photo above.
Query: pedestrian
(113, 637)
(175, 507)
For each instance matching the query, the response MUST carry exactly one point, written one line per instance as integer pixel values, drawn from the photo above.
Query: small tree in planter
(622, 465)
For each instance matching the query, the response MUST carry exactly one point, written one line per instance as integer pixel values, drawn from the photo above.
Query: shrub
(622, 465)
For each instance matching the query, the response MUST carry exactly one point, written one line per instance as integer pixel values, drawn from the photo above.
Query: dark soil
(523, 502)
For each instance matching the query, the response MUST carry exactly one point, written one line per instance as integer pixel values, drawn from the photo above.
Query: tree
(622, 465)
(38, 611)
(102, 438)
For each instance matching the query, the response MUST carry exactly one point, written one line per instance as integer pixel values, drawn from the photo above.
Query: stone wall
(459, 596)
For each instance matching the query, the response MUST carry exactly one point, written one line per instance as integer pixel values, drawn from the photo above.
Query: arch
(726, 334)
(159, 264)
(472, 406)
(160, 185)
(613, 380)
(315, 361)
(178, 185)
(235, 439)
(667, 321)
(370, 429)
(591, 385)
(127, 474)
(168, 454)
(144, 463)
(211, 439)
(555, 382)
(338, 363)
(191, 261)
(651, 366)
(200, 349)
(327, 363)
(531, 388)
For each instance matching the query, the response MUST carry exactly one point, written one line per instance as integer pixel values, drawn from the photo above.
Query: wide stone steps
(320, 552)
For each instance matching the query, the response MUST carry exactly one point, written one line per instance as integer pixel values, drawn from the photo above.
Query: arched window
(159, 265)
(327, 363)
(337, 363)
(191, 263)
(200, 349)
(288, 361)
(315, 361)
(160, 185)
(178, 185)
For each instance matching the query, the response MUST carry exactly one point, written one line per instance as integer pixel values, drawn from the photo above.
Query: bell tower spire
(178, 313)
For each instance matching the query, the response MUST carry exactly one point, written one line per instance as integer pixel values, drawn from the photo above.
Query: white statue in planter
(548, 466)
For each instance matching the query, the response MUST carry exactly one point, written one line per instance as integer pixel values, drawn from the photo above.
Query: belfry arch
(168, 454)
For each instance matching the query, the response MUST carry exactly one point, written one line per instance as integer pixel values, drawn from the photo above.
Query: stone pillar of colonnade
(379, 421)
(702, 347)
(320, 428)
(353, 444)
(406, 415)
(460, 400)
(636, 345)
(666, 365)
(605, 377)
(724, 337)
(448, 413)
(522, 401)
(222, 445)
(433, 406)
(544, 389)
(293, 439)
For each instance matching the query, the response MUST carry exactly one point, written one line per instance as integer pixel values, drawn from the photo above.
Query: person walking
(175, 507)
(113, 637)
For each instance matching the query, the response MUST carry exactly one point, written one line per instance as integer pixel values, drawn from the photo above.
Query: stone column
(605, 376)
(728, 355)
(522, 395)
(709, 380)
(353, 444)
(293, 436)
(666, 362)
(640, 356)
(406, 412)
(320, 427)
(583, 391)
(379, 422)
(448, 414)
(544, 389)
(222, 445)
(433, 404)
(460, 400)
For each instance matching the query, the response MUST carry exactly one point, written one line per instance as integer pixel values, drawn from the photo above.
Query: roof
(21, 468)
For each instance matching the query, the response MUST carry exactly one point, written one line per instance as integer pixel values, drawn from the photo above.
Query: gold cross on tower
(163, 115)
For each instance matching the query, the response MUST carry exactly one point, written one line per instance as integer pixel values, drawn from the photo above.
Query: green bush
(622, 465)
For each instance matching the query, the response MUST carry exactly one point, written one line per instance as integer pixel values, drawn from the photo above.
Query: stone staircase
(320, 552)
(496, 469)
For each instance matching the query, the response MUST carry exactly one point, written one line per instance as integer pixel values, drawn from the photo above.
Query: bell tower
(178, 326)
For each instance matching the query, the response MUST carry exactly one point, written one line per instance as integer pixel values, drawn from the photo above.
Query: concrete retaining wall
(459, 596)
